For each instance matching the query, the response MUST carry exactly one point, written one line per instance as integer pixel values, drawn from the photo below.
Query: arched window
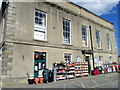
(95, 60)
(78, 59)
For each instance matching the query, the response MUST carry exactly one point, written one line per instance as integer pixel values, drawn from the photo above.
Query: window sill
(41, 40)
(67, 44)
(99, 49)
(85, 46)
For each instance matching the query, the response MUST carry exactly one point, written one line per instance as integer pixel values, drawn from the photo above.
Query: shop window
(66, 32)
(84, 35)
(40, 25)
(68, 57)
(98, 39)
(108, 41)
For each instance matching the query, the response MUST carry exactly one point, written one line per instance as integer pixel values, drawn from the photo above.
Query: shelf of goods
(61, 72)
(78, 69)
(70, 71)
(84, 68)
(81, 69)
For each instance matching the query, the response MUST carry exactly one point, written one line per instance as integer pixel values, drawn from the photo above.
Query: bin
(50, 77)
(45, 75)
(30, 81)
(54, 74)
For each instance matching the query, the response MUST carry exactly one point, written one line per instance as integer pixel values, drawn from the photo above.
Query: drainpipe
(91, 45)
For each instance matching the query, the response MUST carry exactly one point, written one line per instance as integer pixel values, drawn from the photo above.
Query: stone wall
(9, 29)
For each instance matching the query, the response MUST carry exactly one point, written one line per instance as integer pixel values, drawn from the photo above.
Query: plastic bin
(45, 75)
(50, 76)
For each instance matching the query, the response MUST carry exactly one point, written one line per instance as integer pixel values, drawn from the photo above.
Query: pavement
(109, 80)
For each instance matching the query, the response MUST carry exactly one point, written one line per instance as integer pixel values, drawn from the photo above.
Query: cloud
(98, 7)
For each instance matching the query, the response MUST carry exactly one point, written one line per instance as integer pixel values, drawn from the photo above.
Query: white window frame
(108, 41)
(67, 54)
(86, 36)
(40, 28)
(98, 44)
(69, 43)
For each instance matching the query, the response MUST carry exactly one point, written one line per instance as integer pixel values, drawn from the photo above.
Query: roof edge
(89, 11)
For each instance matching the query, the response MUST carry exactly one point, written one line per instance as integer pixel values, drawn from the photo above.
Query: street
(100, 81)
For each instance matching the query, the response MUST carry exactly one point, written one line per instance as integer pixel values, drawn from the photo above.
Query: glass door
(39, 63)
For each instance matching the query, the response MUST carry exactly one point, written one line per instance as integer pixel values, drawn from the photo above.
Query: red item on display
(36, 56)
(96, 72)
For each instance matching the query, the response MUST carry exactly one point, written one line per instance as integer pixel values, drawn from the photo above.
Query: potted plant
(30, 78)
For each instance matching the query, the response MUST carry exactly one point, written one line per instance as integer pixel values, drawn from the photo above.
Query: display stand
(70, 71)
(78, 69)
(84, 66)
(61, 72)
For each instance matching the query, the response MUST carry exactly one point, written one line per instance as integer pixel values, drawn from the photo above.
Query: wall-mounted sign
(78, 59)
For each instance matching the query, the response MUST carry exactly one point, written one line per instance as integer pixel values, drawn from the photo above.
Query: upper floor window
(84, 35)
(108, 41)
(40, 25)
(110, 58)
(66, 32)
(98, 39)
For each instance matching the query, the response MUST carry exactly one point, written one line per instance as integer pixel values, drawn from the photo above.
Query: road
(100, 81)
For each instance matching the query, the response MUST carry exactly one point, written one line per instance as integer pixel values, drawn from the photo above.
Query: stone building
(54, 32)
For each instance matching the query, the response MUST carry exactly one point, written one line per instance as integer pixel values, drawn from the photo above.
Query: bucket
(30, 81)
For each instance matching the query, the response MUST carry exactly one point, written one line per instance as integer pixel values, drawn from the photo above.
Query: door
(87, 58)
(39, 63)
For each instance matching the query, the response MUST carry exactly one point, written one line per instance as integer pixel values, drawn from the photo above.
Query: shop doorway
(39, 63)
(87, 58)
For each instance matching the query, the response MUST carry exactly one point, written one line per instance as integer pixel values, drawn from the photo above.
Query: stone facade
(19, 44)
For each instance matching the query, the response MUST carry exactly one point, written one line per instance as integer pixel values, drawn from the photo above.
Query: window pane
(40, 15)
(36, 13)
(36, 20)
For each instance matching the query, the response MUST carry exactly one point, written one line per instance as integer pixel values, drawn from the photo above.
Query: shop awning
(87, 52)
